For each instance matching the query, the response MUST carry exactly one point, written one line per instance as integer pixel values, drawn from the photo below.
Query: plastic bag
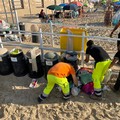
(108, 76)
(84, 75)
(33, 84)
(88, 88)
(116, 18)
(4, 25)
(75, 91)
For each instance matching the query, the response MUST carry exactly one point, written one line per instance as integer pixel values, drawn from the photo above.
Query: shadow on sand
(16, 90)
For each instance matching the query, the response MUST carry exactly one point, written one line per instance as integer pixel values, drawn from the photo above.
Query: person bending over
(57, 75)
(102, 62)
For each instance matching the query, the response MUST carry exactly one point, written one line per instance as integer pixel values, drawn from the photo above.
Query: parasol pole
(11, 11)
(15, 12)
(29, 7)
(5, 10)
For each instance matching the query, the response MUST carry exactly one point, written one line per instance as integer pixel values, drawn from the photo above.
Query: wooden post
(29, 6)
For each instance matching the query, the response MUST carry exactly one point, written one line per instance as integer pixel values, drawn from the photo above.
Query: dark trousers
(118, 42)
(117, 84)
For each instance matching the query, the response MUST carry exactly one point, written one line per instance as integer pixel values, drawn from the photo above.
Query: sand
(19, 102)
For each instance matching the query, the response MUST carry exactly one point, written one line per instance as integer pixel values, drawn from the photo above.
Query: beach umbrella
(94, 1)
(63, 4)
(117, 3)
(70, 7)
(77, 3)
(54, 7)
(116, 18)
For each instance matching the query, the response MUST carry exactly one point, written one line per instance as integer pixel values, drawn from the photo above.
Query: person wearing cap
(58, 75)
(102, 63)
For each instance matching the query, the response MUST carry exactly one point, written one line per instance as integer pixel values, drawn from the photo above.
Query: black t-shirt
(98, 53)
(117, 55)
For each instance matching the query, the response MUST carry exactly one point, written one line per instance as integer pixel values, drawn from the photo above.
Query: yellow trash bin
(72, 43)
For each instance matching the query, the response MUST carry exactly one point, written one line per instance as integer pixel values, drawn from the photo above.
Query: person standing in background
(42, 14)
(108, 16)
(115, 28)
(117, 83)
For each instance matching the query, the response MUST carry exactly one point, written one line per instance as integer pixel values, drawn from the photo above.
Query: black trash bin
(22, 26)
(5, 62)
(58, 15)
(50, 60)
(35, 68)
(2, 33)
(71, 57)
(35, 37)
(18, 62)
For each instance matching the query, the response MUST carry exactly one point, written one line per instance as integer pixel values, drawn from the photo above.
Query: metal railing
(51, 33)
(41, 46)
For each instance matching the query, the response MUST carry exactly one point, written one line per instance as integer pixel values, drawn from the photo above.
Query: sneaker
(95, 10)
(39, 100)
(66, 97)
(94, 97)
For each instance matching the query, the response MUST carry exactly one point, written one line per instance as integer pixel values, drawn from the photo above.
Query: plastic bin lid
(21, 23)
(51, 55)
(3, 51)
(71, 58)
(70, 55)
(15, 51)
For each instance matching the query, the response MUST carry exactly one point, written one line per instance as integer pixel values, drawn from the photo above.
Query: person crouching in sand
(57, 75)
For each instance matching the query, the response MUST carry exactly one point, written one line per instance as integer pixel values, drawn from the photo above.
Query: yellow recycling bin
(75, 42)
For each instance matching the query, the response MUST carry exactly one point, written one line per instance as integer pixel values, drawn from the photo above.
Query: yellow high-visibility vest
(115, 1)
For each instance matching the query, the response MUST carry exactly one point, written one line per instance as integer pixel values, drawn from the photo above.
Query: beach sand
(19, 102)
